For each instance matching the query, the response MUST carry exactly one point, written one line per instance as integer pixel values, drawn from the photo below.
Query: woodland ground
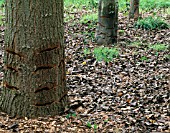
(128, 94)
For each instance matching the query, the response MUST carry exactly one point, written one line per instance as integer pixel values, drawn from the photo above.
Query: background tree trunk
(34, 78)
(106, 32)
(134, 9)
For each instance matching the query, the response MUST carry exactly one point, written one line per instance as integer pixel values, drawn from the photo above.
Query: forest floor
(128, 94)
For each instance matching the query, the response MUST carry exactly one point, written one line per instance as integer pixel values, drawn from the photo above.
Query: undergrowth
(159, 47)
(151, 23)
(152, 4)
(123, 4)
(105, 54)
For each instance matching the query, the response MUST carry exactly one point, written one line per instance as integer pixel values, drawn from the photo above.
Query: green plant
(2, 11)
(89, 125)
(123, 4)
(167, 57)
(144, 58)
(94, 3)
(167, 11)
(121, 32)
(1, 20)
(95, 126)
(153, 4)
(68, 18)
(86, 51)
(106, 54)
(70, 115)
(1, 2)
(151, 23)
(81, 3)
(90, 36)
(165, 4)
(159, 47)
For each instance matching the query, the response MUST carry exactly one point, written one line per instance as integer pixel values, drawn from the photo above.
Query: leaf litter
(128, 94)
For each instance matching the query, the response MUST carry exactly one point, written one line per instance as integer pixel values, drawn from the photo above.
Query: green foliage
(94, 3)
(1, 22)
(89, 18)
(95, 126)
(144, 58)
(1, 2)
(68, 18)
(121, 31)
(151, 23)
(86, 51)
(90, 36)
(167, 57)
(81, 3)
(167, 11)
(106, 54)
(152, 4)
(89, 125)
(165, 4)
(68, 116)
(123, 4)
(145, 4)
(159, 47)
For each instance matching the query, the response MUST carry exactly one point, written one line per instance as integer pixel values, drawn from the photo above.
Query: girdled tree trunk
(34, 78)
(134, 9)
(106, 32)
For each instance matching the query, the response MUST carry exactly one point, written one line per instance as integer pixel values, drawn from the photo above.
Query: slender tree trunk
(106, 32)
(34, 78)
(134, 9)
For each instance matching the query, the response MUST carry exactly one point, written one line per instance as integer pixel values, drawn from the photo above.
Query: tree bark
(134, 9)
(106, 32)
(34, 81)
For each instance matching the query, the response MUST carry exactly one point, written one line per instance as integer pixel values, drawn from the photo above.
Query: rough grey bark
(134, 9)
(34, 80)
(106, 31)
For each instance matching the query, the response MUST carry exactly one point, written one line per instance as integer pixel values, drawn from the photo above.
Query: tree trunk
(34, 77)
(106, 32)
(134, 9)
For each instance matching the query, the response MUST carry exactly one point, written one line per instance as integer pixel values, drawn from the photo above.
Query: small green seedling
(89, 125)
(68, 116)
(144, 58)
(95, 126)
